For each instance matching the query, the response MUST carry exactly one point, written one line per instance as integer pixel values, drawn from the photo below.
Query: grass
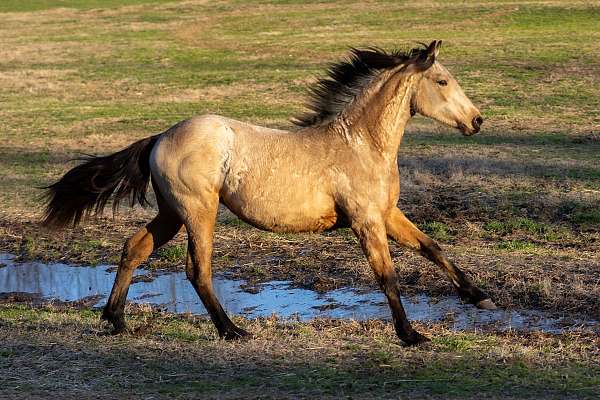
(173, 254)
(515, 207)
(589, 217)
(516, 245)
(525, 189)
(437, 230)
(39, 5)
(324, 359)
(525, 225)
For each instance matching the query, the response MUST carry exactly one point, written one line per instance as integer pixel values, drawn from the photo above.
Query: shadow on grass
(526, 139)
(138, 369)
(444, 166)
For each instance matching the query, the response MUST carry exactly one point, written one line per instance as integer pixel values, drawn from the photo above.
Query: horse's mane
(347, 78)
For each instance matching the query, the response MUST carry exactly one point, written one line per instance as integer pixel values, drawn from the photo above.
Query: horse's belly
(301, 213)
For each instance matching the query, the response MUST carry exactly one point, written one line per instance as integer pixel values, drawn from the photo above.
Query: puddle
(174, 293)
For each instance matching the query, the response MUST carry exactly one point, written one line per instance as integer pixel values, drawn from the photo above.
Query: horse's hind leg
(407, 234)
(200, 227)
(136, 250)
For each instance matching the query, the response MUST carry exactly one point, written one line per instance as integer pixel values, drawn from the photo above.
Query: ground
(515, 206)
(54, 350)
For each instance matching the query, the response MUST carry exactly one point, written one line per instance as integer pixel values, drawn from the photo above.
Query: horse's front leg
(407, 234)
(373, 239)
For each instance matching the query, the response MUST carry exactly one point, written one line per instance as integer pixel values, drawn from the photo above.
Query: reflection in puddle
(174, 293)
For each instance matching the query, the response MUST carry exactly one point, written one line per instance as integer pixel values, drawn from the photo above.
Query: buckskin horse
(338, 169)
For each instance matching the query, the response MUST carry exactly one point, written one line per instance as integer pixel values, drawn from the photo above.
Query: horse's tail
(87, 188)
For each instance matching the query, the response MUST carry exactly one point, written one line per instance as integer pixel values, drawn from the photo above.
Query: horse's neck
(380, 118)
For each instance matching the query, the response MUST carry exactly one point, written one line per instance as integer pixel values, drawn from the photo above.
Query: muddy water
(173, 292)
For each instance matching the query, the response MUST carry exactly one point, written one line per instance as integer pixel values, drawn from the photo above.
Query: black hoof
(118, 322)
(119, 329)
(486, 304)
(235, 333)
(415, 339)
(477, 297)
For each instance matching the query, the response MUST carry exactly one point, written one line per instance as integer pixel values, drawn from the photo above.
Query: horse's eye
(442, 82)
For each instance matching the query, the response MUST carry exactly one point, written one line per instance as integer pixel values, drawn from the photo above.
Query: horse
(337, 169)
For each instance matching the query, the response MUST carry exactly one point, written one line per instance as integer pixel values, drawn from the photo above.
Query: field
(517, 206)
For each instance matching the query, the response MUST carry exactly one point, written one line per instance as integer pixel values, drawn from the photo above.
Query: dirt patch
(35, 81)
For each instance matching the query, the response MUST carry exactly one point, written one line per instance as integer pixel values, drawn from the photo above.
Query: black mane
(346, 79)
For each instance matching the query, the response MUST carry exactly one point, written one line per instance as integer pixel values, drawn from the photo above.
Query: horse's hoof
(236, 333)
(486, 304)
(415, 339)
(106, 316)
(120, 330)
(119, 325)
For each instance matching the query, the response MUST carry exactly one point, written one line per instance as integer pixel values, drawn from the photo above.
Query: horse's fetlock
(235, 333)
(116, 318)
(413, 338)
(389, 285)
(472, 294)
(113, 314)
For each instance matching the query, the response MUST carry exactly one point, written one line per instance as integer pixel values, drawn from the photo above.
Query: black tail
(86, 189)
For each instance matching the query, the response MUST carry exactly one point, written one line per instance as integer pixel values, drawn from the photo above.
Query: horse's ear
(438, 46)
(433, 50)
(428, 55)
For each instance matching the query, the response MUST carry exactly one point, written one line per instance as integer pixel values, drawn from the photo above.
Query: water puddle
(172, 292)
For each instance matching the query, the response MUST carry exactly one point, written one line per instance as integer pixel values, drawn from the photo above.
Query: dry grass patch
(48, 350)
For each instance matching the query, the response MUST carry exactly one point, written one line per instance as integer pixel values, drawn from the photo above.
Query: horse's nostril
(477, 121)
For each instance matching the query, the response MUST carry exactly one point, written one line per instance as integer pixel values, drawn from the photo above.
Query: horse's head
(439, 96)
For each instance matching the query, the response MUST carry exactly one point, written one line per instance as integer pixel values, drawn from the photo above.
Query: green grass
(465, 341)
(536, 229)
(516, 245)
(172, 254)
(438, 230)
(589, 217)
(155, 54)
(38, 5)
